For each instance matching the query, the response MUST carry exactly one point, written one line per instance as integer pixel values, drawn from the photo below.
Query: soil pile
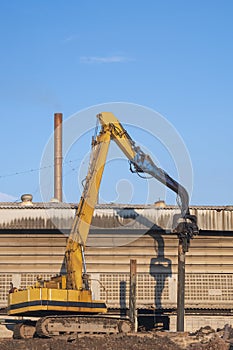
(145, 341)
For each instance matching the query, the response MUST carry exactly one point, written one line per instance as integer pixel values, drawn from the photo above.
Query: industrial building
(33, 238)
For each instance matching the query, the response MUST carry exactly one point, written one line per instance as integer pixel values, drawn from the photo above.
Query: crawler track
(52, 326)
(24, 330)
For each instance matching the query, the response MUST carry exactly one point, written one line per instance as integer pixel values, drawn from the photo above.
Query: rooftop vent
(26, 199)
(54, 200)
(160, 204)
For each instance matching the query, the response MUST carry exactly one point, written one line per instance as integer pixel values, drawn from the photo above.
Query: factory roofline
(63, 205)
(59, 216)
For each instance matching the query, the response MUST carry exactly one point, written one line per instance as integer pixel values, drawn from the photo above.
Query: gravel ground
(92, 343)
(111, 342)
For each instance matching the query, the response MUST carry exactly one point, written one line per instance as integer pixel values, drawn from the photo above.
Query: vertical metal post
(58, 156)
(181, 287)
(132, 293)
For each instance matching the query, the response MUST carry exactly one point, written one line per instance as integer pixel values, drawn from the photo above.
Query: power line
(24, 172)
(36, 169)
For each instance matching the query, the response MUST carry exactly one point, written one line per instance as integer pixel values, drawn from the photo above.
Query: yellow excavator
(64, 304)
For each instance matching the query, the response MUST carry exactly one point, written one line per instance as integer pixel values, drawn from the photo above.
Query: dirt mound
(206, 338)
(145, 341)
(111, 342)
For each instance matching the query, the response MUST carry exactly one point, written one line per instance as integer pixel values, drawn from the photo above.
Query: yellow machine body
(53, 297)
(50, 301)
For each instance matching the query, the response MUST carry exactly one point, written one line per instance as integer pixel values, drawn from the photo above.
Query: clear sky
(175, 57)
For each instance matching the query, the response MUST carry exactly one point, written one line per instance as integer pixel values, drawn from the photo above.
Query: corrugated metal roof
(110, 216)
(63, 205)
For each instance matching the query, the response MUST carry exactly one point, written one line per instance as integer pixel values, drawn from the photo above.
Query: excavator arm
(139, 162)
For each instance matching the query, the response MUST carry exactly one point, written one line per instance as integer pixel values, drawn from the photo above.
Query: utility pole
(185, 231)
(181, 287)
(132, 294)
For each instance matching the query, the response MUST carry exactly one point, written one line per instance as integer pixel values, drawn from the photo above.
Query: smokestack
(58, 156)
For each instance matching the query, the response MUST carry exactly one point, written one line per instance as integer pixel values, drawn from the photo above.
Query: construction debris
(206, 338)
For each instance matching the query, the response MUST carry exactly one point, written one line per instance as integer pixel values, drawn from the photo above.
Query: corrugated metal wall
(209, 282)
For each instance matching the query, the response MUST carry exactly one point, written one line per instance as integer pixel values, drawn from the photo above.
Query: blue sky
(63, 56)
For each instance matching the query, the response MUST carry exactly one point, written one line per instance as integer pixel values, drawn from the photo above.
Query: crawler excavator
(64, 304)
